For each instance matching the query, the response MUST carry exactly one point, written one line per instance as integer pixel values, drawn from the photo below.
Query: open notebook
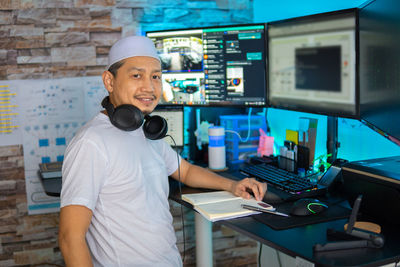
(221, 205)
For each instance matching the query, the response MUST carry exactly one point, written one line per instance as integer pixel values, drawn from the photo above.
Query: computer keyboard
(292, 184)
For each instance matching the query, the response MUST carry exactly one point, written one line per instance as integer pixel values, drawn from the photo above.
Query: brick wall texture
(44, 39)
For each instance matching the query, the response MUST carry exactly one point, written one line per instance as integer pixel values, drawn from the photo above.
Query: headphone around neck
(129, 118)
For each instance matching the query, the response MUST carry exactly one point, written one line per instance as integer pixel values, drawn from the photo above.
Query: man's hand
(245, 187)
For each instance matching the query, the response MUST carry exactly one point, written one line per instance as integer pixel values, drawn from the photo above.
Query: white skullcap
(131, 46)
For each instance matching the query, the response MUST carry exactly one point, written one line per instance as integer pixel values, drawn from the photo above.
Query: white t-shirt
(123, 178)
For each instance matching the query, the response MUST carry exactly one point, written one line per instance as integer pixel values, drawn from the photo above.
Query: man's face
(137, 82)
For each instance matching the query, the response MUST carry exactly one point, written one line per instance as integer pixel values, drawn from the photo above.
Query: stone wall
(42, 39)
(68, 38)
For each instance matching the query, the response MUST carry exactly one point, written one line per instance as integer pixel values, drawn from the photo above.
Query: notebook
(222, 205)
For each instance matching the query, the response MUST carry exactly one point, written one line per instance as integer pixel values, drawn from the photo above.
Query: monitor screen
(214, 66)
(174, 118)
(312, 64)
(380, 67)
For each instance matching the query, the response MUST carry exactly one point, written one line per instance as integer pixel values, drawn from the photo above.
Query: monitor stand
(332, 143)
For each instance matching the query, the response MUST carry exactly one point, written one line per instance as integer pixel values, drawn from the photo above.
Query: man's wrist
(232, 185)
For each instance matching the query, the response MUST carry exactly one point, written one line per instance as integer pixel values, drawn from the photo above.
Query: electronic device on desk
(288, 185)
(353, 236)
(174, 117)
(213, 66)
(307, 206)
(50, 170)
(50, 176)
(378, 180)
(300, 78)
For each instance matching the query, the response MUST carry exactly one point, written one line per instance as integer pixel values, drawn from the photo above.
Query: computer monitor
(174, 117)
(213, 66)
(380, 67)
(312, 64)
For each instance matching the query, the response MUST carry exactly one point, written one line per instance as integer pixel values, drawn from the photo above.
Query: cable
(267, 122)
(180, 195)
(248, 128)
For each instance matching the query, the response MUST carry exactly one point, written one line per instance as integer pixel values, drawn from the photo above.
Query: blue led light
(216, 141)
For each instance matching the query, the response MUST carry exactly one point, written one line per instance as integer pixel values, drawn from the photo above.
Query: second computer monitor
(312, 64)
(175, 119)
(213, 66)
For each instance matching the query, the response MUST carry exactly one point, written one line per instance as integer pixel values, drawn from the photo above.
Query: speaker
(129, 118)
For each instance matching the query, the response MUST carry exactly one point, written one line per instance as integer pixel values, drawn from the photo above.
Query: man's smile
(145, 99)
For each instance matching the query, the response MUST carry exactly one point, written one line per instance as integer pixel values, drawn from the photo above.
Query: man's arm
(74, 223)
(198, 177)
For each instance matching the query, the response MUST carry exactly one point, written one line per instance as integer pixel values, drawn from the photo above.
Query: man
(114, 199)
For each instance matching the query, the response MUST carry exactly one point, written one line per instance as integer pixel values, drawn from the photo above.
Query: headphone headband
(105, 103)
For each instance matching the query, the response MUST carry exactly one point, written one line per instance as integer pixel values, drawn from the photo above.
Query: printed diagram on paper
(94, 94)
(10, 124)
(52, 112)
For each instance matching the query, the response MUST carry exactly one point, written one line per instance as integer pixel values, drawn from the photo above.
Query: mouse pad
(334, 212)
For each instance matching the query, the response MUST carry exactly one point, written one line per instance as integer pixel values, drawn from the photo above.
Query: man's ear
(108, 80)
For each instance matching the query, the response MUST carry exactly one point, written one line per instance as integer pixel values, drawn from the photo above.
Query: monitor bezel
(353, 11)
(178, 108)
(224, 104)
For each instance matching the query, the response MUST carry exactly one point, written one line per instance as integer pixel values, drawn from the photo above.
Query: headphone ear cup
(155, 127)
(127, 117)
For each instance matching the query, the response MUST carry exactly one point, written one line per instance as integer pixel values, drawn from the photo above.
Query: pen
(264, 210)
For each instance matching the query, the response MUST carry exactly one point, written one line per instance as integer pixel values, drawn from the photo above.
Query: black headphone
(129, 118)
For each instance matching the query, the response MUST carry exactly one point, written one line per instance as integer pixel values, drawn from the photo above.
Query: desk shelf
(237, 151)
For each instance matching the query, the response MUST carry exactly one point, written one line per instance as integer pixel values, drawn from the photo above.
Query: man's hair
(114, 67)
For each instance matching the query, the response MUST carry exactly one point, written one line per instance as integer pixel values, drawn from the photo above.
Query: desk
(296, 242)
(299, 241)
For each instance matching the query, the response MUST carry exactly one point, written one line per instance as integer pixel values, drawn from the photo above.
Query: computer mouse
(272, 198)
(307, 206)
